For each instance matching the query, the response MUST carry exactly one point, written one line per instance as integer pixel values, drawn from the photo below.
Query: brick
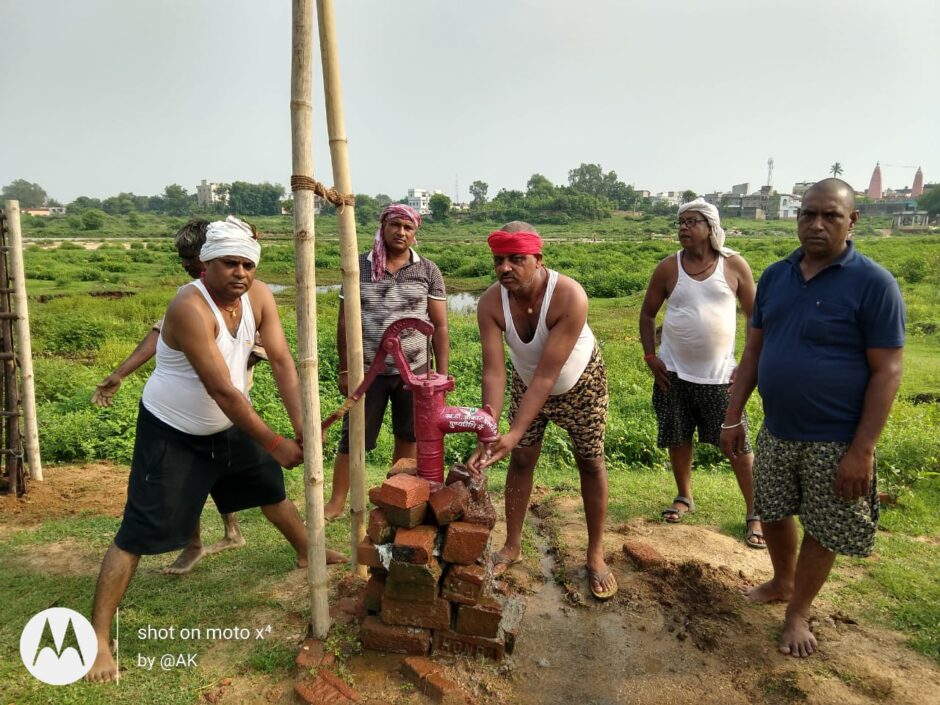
(442, 689)
(513, 611)
(450, 642)
(414, 545)
(380, 531)
(310, 655)
(368, 554)
(430, 615)
(350, 585)
(403, 491)
(480, 511)
(464, 584)
(372, 597)
(317, 691)
(377, 635)
(412, 581)
(458, 473)
(417, 668)
(449, 503)
(340, 685)
(643, 555)
(464, 542)
(406, 518)
(481, 619)
(409, 466)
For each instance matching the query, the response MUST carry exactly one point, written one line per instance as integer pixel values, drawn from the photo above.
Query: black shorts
(173, 473)
(385, 388)
(687, 406)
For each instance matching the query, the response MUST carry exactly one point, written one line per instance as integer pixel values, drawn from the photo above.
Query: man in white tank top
(197, 433)
(558, 376)
(693, 371)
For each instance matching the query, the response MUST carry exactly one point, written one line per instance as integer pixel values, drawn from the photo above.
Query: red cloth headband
(521, 243)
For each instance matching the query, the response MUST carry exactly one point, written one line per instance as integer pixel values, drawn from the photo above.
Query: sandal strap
(751, 517)
(683, 500)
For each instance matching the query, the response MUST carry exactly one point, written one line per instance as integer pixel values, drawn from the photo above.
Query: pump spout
(458, 419)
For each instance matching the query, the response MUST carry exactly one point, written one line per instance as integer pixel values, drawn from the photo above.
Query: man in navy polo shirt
(825, 352)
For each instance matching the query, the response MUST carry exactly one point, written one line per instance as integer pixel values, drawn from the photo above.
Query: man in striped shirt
(394, 283)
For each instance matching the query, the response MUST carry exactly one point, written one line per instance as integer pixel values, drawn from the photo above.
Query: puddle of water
(462, 302)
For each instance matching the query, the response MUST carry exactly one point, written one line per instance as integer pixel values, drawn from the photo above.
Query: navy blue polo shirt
(813, 371)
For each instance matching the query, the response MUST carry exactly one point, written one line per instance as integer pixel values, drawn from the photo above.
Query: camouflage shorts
(796, 477)
(581, 411)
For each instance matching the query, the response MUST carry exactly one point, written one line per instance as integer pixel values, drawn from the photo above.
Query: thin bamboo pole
(305, 242)
(24, 342)
(349, 262)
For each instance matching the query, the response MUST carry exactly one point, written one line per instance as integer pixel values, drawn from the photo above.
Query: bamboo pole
(349, 262)
(305, 242)
(24, 342)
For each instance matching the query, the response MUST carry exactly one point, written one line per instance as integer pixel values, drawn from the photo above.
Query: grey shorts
(385, 389)
(687, 406)
(796, 477)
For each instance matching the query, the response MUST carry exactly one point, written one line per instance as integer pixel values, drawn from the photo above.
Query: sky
(103, 96)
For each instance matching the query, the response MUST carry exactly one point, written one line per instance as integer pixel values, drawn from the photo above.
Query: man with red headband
(394, 283)
(558, 375)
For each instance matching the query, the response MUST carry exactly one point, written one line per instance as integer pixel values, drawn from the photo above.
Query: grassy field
(90, 307)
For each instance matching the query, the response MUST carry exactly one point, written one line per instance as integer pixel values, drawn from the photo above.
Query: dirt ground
(677, 633)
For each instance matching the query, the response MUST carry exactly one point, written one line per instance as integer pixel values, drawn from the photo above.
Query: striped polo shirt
(403, 294)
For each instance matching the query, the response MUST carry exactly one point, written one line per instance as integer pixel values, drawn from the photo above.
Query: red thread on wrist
(649, 357)
(275, 442)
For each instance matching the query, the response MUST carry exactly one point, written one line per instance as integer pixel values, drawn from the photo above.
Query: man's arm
(853, 478)
(656, 294)
(733, 439)
(279, 355)
(107, 388)
(437, 312)
(745, 289)
(191, 329)
(494, 364)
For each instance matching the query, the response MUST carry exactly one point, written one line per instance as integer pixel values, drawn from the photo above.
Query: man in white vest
(197, 433)
(558, 376)
(692, 373)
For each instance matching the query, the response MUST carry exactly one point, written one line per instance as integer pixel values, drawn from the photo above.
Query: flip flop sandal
(751, 534)
(500, 564)
(671, 515)
(599, 578)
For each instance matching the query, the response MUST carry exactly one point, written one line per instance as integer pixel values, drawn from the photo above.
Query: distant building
(207, 194)
(801, 187)
(789, 206)
(740, 189)
(874, 186)
(45, 211)
(714, 198)
(672, 198)
(910, 222)
(420, 199)
(917, 189)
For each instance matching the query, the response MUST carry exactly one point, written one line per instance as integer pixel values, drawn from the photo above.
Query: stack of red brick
(430, 587)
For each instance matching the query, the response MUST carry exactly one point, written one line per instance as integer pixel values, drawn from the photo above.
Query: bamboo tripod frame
(16, 352)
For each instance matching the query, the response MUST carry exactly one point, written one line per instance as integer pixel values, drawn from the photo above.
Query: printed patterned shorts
(795, 477)
(581, 411)
(687, 406)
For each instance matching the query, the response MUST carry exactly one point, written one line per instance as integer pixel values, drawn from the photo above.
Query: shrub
(93, 219)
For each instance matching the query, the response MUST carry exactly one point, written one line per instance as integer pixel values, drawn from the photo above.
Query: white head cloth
(230, 237)
(717, 236)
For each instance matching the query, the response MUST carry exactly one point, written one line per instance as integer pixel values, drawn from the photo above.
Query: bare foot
(331, 511)
(236, 541)
(103, 670)
(185, 561)
(503, 559)
(797, 639)
(768, 592)
(332, 557)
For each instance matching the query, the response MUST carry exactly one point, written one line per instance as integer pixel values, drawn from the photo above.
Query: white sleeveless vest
(175, 394)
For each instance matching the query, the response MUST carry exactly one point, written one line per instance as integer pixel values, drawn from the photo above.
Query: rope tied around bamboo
(299, 182)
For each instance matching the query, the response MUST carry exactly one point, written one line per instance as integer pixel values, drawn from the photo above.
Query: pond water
(461, 302)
